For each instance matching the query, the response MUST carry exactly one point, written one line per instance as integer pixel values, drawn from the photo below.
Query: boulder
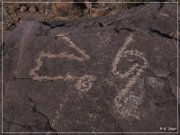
(115, 73)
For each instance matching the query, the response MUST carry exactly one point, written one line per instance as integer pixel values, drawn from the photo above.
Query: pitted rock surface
(116, 73)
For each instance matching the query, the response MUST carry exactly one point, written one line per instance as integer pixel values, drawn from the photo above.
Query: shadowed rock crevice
(162, 34)
(127, 29)
(55, 24)
(28, 127)
(161, 6)
(47, 125)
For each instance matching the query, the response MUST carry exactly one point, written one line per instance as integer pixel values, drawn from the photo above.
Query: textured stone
(115, 73)
(23, 8)
(32, 9)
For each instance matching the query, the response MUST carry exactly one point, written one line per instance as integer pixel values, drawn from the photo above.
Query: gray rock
(155, 83)
(110, 74)
(23, 8)
(32, 9)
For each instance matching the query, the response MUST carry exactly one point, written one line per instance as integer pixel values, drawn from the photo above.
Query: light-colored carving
(120, 54)
(68, 56)
(126, 103)
(57, 117)
(85, 83)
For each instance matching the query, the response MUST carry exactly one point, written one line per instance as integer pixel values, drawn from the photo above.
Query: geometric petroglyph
(84, 82)
(126, 103)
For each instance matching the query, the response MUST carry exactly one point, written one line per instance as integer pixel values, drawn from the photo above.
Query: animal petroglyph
(126, 103)
(84, 82)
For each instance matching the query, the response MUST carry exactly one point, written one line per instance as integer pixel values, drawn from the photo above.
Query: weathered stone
(33, 9)
(23, 8)
(88, 4)
(110, 74)
(62, 8)
(99, 12)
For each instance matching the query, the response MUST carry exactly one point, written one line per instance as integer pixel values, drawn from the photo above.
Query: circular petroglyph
(85, 83)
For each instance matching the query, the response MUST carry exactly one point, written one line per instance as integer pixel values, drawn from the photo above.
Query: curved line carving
(120, 106)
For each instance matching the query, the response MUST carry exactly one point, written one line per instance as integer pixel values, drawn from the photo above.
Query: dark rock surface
(110, 74)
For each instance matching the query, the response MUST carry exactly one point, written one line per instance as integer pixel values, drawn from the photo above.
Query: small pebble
(88, 4)
(32, 9)
(23, 9)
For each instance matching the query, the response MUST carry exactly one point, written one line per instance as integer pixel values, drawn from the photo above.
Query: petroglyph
(126, 103)
(82, 84)
(57, 117)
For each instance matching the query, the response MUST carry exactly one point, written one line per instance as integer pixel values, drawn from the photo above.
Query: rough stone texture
(85, 89)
